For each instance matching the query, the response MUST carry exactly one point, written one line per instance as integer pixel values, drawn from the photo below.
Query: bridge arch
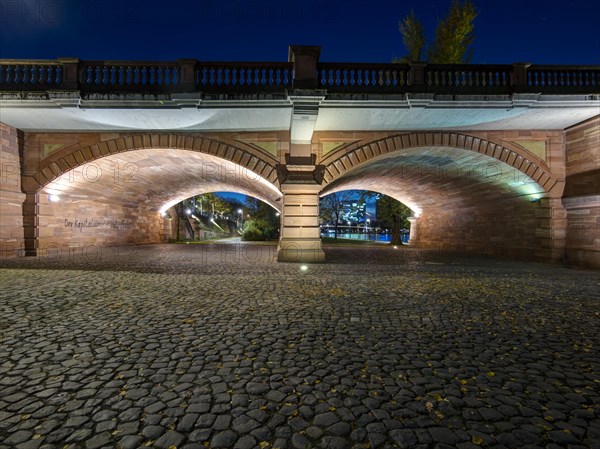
(340, 161)
(56, 165)
(118, 191)
(466, 193)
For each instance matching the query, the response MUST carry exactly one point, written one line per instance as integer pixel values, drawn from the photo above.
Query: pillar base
(300, 250)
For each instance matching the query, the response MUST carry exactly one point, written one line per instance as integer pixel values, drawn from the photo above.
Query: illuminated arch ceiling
(428, 178)
(158, 179)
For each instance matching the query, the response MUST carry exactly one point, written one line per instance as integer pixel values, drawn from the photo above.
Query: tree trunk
(335, 232)
(396, 238)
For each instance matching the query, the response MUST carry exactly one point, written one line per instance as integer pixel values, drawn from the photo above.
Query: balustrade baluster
(23, 74)
(96, 76)
(34, 77)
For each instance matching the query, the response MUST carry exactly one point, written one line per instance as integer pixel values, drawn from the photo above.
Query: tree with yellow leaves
(453, 36)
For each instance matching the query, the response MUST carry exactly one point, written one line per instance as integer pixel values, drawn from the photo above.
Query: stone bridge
(492, 159)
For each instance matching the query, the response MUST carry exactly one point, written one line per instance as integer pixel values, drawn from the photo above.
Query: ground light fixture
(303, 267)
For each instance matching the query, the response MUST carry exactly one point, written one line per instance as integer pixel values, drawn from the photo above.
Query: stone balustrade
(190, 75)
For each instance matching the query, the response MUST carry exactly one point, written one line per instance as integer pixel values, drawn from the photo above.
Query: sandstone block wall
(11, 196)
(582, 194)
(515, 229)
(87, 225)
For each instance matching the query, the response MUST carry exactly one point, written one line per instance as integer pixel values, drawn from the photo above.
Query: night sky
(537, 31)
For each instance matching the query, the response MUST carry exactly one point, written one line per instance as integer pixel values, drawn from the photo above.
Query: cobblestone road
(206, 346)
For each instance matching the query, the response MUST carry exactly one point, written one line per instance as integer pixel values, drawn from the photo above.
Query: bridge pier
(413, 230)
(300, 239)
(31, 211)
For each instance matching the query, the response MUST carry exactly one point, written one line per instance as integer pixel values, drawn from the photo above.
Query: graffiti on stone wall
(98, 223)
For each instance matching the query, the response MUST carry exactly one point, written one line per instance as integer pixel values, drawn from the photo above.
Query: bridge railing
(190, 75)
(344, 77)
(468, 77)
(458, 78)
(564, 78)
(30, 75)
(219, 76)
(144, 76)
(131, 76)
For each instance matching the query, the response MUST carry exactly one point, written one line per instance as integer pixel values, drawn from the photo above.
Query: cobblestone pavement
(219, 346)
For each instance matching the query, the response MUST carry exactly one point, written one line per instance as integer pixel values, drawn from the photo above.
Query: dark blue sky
(537, 31)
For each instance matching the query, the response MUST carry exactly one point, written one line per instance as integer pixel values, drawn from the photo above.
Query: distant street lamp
(367, 221)
(241, 212)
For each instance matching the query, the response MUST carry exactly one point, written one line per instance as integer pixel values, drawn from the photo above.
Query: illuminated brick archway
(338, 162)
